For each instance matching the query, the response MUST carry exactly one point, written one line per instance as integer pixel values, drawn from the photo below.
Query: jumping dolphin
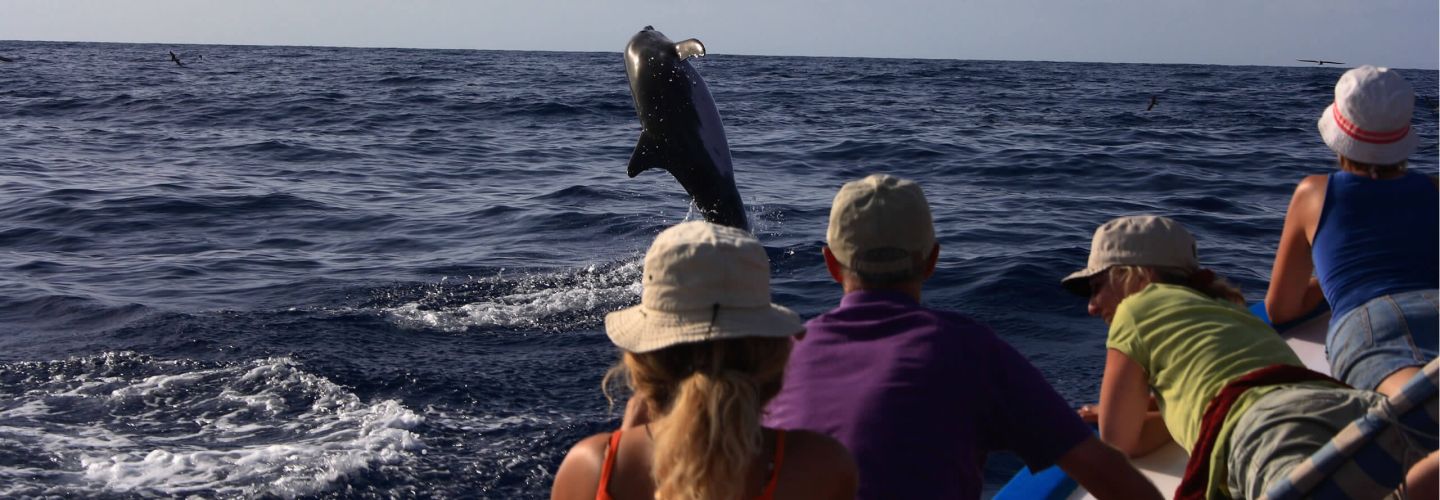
(681, 130)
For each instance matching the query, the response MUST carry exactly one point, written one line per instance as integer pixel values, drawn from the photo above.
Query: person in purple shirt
(921, 396)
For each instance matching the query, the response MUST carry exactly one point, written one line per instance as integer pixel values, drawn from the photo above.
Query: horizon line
(385, 47)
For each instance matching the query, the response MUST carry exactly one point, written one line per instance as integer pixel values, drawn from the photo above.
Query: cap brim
(638, 329)
(1361, 151)
(1078, 282)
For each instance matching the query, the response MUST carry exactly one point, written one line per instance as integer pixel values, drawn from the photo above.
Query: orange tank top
(767, 494)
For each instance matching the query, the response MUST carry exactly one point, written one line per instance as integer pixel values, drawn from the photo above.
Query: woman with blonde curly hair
(703, 352)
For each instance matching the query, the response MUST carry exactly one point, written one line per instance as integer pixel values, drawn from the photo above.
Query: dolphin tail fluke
(649, 153)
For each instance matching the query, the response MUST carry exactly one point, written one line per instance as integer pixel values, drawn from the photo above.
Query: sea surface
(329, 272)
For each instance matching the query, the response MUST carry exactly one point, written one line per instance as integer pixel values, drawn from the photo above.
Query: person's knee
(1393, 383)
(1423, 479)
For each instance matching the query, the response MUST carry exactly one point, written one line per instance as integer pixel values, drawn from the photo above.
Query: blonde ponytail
(707, 397)
(704, 446)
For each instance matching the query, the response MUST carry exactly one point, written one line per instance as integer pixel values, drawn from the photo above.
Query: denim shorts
(1386, 334)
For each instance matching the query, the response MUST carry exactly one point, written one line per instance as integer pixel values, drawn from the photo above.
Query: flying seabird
(176, 58)
(1319, 63)
(1153, 101)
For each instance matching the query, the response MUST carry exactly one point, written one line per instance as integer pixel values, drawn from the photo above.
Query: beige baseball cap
(702, 281)
(878, 224)
(1142, 240)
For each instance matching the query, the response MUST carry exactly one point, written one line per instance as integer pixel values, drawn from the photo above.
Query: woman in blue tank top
(1369, 234)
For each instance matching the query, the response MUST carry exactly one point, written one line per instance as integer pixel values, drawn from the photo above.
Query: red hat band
(1363, 135)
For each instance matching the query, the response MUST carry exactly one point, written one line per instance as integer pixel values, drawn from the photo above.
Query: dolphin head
(648, 48)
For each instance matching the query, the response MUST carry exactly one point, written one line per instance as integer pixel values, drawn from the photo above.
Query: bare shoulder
(590, 449)
(1312, 184)
(579, 473)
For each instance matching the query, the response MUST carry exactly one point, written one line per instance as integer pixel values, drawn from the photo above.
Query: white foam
(265, 427)
(533, 302)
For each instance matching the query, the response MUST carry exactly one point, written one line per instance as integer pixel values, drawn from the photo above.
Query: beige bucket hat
(1142, 240)
(701, 282)
(1369, 121)
(878, 224)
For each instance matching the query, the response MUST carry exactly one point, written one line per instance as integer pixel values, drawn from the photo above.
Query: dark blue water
(297, 271)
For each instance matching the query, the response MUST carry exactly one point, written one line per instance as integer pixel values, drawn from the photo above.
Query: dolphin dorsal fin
(689, 48)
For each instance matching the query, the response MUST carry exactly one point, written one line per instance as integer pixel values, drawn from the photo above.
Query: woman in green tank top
(1225, 386)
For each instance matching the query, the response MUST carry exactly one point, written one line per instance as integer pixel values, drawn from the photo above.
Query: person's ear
(932, 261)
(837, 271)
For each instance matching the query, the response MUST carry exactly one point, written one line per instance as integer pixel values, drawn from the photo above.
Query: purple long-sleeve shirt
(920, 397)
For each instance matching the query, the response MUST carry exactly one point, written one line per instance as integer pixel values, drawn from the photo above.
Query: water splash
(546, 301)
(122, 422)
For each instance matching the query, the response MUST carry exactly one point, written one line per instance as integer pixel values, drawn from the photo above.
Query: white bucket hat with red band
(1369, 121)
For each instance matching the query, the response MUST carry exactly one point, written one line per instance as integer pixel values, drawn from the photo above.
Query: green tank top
(1191, 346)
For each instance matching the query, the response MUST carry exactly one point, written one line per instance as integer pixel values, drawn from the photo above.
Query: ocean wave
(294, 211)
(122, 422)
(410, 80)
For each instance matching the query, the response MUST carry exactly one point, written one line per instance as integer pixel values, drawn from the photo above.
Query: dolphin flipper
(649, 153)
(689, 48)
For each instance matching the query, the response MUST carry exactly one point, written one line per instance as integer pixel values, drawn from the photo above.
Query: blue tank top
(1376, 237)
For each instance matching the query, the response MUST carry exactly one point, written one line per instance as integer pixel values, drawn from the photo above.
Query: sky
(1394, 33)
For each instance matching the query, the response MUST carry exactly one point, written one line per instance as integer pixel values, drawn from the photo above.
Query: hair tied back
(1202, 279)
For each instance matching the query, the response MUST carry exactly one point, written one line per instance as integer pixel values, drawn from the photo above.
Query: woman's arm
(1125, 422)
(1105, 472)
(1293, 292)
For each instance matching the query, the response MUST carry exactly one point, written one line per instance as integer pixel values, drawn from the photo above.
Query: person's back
(794, 465)
(920, 396)
(1363, 249)
(1191, 346)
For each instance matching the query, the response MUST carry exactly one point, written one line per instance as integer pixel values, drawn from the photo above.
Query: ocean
(331, 272)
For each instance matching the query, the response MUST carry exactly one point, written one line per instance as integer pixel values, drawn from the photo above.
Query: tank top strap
(769, 493)
(603, 493)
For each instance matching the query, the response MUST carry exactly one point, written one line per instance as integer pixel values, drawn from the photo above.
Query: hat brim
(639, 329)
(1078, 282)
(1361, 151)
